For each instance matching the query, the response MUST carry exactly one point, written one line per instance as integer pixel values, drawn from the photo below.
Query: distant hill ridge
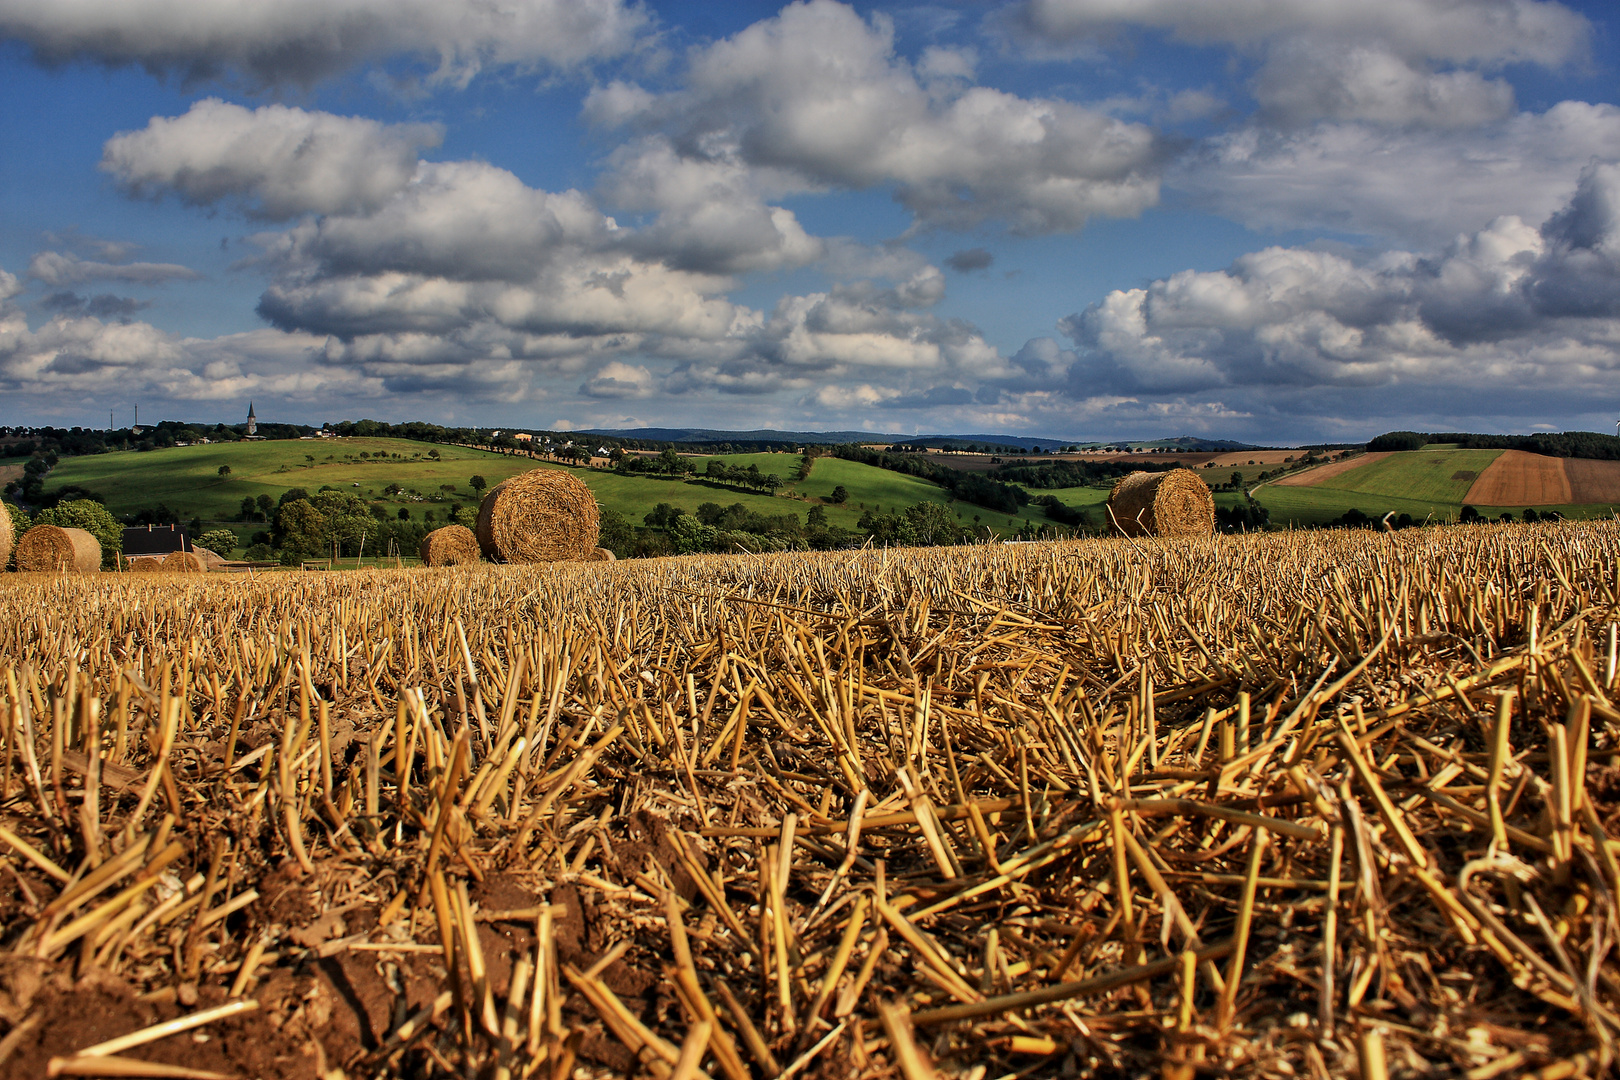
(760, 435)
(1567, 444)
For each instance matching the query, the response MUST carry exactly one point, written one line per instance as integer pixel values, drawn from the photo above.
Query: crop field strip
(1278, 805)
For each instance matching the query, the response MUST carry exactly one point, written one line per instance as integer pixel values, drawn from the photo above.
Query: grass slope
(187, 481)
(1424, 475)
(1319, 505)
(1422, 483)
(186, 478)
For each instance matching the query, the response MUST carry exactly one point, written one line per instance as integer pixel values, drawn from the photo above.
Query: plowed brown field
(1312, 477)
(1520, 479)
(1593, 481)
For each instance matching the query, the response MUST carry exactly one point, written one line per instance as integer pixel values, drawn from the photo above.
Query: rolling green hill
(187, 481)
(1429, 483)
(1434, 476)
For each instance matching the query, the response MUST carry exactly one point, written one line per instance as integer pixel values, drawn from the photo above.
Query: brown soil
(1516, 478)
(1312, 477)
(1255, 457)
(1593, 481)
(267, 1043)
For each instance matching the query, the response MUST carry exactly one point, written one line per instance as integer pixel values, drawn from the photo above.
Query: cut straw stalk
(167, 1028)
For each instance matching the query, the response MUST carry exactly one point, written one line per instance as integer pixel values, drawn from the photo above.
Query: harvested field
(1316, 475)
(1255, 457)
(1593, 481)
(1516, 478)
(1277, 805)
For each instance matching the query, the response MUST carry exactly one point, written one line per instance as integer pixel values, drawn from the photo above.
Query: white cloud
(1455, 30)
(303, 41)
(274, 162)
(1419, 187)
(816, 97)
(84, 357)
(1407, 63)
(1509, 314)
(60, 269)
(711, 214)
(1307, 80)
(619, 380)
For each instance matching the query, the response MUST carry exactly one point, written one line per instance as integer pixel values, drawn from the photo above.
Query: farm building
(154, 540)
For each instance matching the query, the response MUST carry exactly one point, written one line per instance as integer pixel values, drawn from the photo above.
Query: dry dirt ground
(1593, 481)
(1520, 479)
(1312, 477)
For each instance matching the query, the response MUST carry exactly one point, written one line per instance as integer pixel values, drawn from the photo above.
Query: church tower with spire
(253, 423)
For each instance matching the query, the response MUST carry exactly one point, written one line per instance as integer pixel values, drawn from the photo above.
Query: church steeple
(253, 423)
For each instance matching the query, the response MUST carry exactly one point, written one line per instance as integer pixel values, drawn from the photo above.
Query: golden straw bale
(545, 515)
(51, 548)
(6, 538)
(600, 554)
(212, 560)
(453, 545)
(146, 564)
(184, 562)
(1174, 503)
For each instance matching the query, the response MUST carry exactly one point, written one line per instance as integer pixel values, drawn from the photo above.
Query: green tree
(770, 482)
(840, 495)
(219, 541)
(224, 470)
(818, 517)
(248, 510)
(930, 524)
(93, 518)
(616, 534)
(301, 530)
(464, 515)
(478, 483)
(19, 523)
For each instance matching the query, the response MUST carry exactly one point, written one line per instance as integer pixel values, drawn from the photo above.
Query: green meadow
(187, 480)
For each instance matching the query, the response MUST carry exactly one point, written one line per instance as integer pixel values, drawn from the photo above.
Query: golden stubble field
(1282, 805)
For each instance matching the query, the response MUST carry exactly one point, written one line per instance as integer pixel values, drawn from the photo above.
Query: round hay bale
(146, 564)
(1175, 503)
(545, 515)
(184, 562)
(453, 545)
(6, 539)
(51, 549)
(601, 554)
(212, 560)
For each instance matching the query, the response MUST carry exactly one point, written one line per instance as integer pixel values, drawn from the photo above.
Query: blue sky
(1274, 220)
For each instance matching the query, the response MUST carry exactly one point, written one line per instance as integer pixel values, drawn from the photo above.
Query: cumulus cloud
(816, 97)
(304, 41)
(619, 380)
(711, 215)
(1510, 313)
(59, 269)
(274, 162)
(102, 306)
(82, 356)
(1398, 62)
(1532, 31)
(1409, 187)
(1307, 80)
